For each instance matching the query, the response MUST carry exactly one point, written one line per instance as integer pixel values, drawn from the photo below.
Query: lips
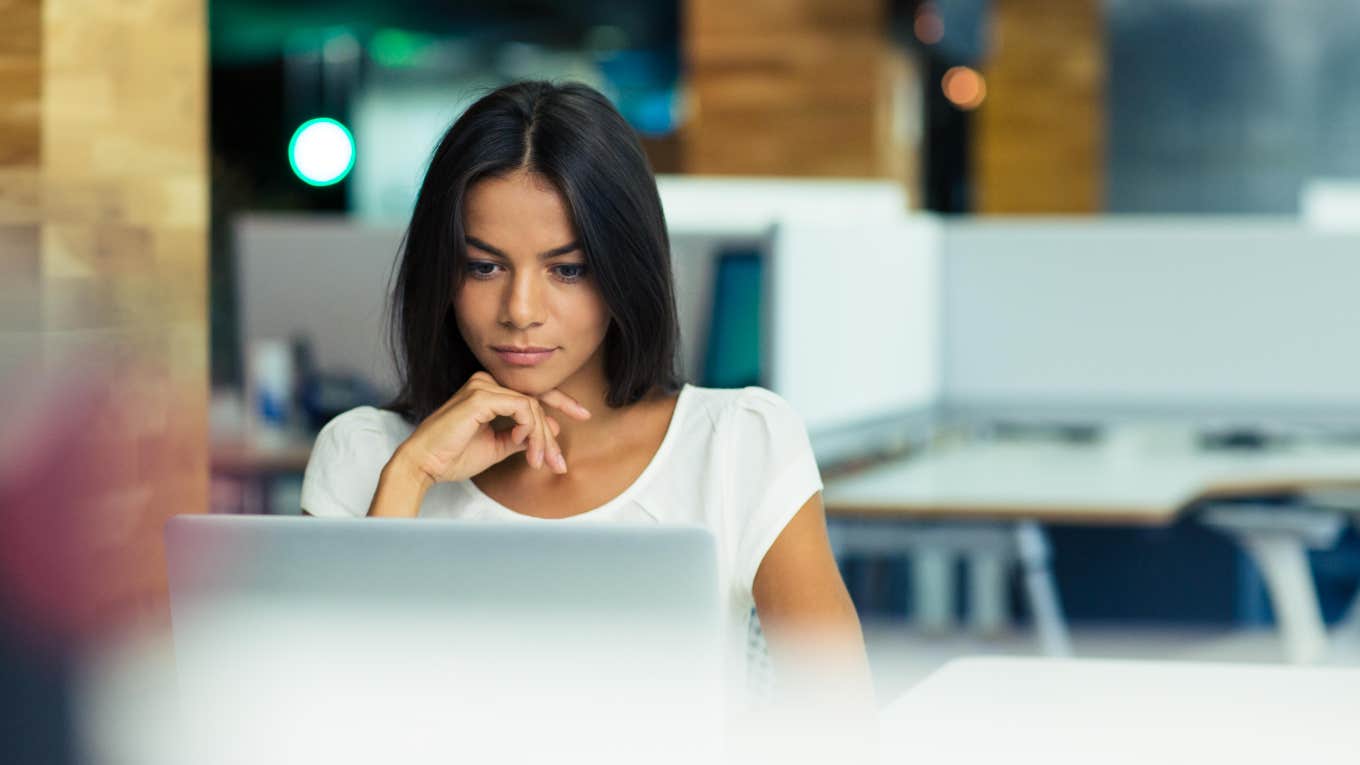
(523, 356)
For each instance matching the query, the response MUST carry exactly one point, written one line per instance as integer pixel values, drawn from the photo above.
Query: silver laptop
(360, 632)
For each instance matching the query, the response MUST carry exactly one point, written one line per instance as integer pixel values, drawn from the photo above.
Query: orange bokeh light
(964, 87)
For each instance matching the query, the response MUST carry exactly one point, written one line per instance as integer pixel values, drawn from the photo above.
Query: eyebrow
(554, 252)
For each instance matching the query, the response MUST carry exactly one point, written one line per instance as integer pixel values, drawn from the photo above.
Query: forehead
(520, 211)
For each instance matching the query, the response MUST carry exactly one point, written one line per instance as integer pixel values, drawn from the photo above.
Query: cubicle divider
(1242, 319)
(853, 340)
(321, 278)
(1212, 317)
(876, 315)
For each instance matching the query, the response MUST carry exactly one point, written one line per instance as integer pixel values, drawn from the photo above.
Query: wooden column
(791, 88)
(1040, 138)
(103, 256)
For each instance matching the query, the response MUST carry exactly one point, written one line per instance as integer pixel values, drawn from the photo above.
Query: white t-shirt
(735, 461)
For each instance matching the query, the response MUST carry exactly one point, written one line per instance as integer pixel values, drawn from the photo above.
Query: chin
(527, 380)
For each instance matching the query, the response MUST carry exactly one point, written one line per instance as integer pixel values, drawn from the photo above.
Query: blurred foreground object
(1078, 711)
(1331, 204)
(103, 335)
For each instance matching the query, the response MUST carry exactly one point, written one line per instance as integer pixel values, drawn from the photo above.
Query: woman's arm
(810, 624)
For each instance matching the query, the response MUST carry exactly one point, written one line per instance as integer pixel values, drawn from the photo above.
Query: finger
(552, 424)
(490, 405)
(506, 445)
(541, 433)
(478, 381)
(533, 440)
(554, 453)
(559, 400)
(550, 455)
(523, 429)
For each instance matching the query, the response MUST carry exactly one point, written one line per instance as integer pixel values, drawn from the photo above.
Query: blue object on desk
(733, 353)
(326, 395)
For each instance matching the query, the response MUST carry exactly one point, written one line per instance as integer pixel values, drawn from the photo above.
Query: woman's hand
(457, 441)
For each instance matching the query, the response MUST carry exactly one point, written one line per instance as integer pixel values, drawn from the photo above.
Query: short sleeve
(347, 459)
(771, 474)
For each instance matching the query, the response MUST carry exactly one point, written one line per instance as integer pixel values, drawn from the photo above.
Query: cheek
(590, 316)
(470, 307)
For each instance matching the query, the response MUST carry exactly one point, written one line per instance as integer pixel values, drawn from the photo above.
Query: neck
(583, 438)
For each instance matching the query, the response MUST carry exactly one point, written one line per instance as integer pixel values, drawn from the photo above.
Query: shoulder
(363, 431)
(740, 409)
(722, 406)
(347, 459)
(366, 419)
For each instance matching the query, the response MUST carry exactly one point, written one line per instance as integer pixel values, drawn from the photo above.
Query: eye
(481, 269)
(570, 272)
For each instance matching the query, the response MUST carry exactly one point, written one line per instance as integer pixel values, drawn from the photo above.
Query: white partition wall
(854, 326)
(749, 206)
(1180, 314)
(324, 278)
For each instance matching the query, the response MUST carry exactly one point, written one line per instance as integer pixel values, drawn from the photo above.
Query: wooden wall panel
(20, 155)
(789, 87)
(1040, 138)
(103, 218)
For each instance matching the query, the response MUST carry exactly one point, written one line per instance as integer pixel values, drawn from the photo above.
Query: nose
(522, 307)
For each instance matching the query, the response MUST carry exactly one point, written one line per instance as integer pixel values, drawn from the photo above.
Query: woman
(535, 331)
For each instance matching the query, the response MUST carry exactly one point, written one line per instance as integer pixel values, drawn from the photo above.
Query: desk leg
(932, 582)
(987, 591)
(1277, 539)
(1284, 564)
(1032, 545)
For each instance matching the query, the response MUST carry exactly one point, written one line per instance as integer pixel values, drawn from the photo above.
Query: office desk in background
(987, 500)
(1051, 711)
(249, 471)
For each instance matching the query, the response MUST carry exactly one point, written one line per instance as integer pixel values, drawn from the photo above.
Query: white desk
(1051, 711)
(1081, 484)
(984, 496)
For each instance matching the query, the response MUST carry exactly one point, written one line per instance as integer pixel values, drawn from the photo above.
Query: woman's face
(527, 305)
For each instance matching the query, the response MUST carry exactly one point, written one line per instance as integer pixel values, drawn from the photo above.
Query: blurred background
(1112, 243)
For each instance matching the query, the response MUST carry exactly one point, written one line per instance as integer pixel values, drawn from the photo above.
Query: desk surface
(243, 457)
(1091, 484)
(992, 710)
